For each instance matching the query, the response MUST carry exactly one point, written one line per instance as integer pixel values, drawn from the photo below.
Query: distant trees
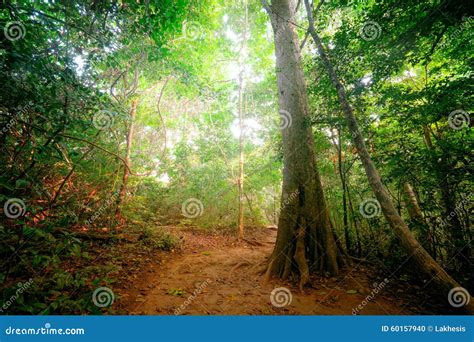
(424, 261)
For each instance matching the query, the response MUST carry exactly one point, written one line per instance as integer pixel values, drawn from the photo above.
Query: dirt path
(217, 276)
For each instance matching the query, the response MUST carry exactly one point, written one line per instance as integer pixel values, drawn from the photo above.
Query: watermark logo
(370, 30)
(370, 208)
(452, 214)
(103, 208)
(467, 24)
(22, 287)
(376, 289)
(458, 119)
(14, 208)
(286, 200)
(192, 297)
(14, 30)
(281, 297)
(192, 208)
(458, 297)
(103, 297)
(104, 119)
(192, 30)
(285, 120)
(13, 117)
(46, 330)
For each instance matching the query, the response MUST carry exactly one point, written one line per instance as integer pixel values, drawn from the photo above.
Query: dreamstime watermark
(46, 330)
(102, 209)
(453, 213)
(14, 117)
(370, 208)
(192, 208)
(286, 200)
(285, 120)
(276, 34)
(370, 30)
(376, 289)
(192, 297)
(14, 208)
(281, 297)
(22, 287)
(458, 297)
(467, 23)
(103, 119)
(192, 30)
(14, 30)
(103, 297)
(354, 135)
(458, 119)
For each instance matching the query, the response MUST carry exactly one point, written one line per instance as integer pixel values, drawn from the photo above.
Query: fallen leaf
(177, 292)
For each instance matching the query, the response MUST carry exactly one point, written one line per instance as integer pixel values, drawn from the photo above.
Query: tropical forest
(243, 157)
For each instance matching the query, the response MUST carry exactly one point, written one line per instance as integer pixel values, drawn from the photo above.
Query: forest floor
(213, 274)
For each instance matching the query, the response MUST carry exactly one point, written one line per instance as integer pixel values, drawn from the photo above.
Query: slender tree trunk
(344, 191)
(240, 181)
(355, 222)
(126, 170)
(427, 137)
(305, 240)
(424, 262)
(417, 218)
(411, 202)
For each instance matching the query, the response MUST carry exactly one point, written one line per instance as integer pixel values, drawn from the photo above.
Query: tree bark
(240, 182)
(354, 221)
(423, 261)
(305, 242)
(417, 218)
(411, 202)
(342, 176)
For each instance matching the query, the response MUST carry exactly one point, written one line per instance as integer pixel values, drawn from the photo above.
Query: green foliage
(76, 61)
(157, 239)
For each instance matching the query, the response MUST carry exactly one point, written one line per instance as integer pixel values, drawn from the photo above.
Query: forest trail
(216, 275)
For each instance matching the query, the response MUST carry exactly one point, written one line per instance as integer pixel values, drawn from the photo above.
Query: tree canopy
(120, 118)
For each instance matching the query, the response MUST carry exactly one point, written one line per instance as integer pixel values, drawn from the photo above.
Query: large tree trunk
(305, 241)
(423, 261)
